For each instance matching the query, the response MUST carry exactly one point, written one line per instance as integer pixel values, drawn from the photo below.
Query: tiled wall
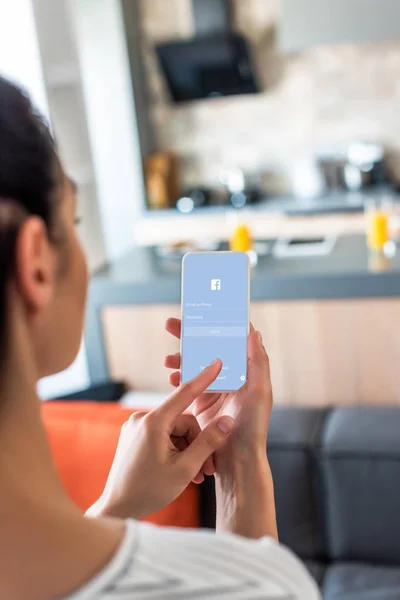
(311, 99)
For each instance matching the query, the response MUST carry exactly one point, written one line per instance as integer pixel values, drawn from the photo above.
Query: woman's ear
(35, 264)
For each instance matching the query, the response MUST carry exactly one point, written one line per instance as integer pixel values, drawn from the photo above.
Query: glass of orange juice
(378, 213)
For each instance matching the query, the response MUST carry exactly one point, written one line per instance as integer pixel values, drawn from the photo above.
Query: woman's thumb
(207, 442)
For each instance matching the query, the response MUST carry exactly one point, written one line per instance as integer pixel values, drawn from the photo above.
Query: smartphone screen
(215, 316)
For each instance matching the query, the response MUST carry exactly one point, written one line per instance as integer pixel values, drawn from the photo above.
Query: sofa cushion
(317, 570)
(83, 439)
(358, 581)
(360, 459)
(292, 435)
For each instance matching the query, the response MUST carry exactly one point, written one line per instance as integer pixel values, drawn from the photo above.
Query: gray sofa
(337, 489)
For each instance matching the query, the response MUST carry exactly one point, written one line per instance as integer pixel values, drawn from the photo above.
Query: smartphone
(215, 316)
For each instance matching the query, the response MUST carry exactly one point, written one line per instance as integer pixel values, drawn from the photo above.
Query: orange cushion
(83, 439)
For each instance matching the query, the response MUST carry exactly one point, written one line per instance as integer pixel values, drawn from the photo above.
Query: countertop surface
(348, 272)
(333, 202)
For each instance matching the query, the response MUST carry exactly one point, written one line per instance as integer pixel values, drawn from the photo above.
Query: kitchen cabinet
(308, 23)
(322, 353)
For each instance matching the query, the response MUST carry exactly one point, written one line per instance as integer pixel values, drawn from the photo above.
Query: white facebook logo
(215, 285)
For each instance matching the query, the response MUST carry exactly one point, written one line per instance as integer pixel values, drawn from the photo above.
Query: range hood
(212, 16)
(216, 62)
(308, 23)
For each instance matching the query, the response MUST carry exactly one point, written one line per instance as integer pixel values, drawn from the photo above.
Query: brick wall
(311, 99)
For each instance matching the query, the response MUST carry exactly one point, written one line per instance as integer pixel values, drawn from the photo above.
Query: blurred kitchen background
(320, 115)
(181, 120)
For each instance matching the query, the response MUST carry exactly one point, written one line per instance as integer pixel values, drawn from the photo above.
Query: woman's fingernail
(260, 338)
(215, 362)
(225, 425)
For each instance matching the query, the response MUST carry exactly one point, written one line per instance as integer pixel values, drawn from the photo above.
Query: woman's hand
(244, 487)
(160, 452)
(250, 407)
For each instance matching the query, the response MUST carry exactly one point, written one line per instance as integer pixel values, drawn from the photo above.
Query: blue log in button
(215, 331)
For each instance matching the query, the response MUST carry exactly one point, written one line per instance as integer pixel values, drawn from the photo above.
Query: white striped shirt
(176, 564)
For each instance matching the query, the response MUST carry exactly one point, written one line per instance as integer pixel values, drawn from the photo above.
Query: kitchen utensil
(358, 166)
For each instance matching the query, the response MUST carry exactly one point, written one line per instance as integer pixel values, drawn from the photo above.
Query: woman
(48, 549)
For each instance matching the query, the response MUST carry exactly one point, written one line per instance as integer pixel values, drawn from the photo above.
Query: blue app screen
(215, 316)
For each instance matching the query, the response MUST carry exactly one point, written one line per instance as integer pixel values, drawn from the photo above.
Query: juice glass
(377, 223)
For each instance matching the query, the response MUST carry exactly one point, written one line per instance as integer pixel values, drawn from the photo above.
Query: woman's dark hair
(29, 175)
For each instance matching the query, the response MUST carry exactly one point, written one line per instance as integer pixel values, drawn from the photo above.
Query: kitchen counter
(348, 272)
(332, 202)
(328, 322)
